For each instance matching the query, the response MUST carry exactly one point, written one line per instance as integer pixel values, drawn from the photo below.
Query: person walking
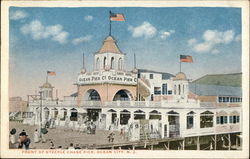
(13, 136)
(71, 146)
(36, 136)
(52, 145)
(111, 137)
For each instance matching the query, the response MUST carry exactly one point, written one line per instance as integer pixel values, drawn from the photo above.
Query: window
(104, 62)
(97, 64)
(220, 99)
(190, 122)
(179, 89)
(112, 62)
(151, 76)
(170, 92)
(164, 88)
(237, 119)
(206, 119)
(234, 119)
(217, 120)
(224, 99)
(157, 90)
(174, 89)
(139, 75)
(120, 64)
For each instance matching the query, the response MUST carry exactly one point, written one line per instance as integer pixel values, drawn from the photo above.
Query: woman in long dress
(36, 136)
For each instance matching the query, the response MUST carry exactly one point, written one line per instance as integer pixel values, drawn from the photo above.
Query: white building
(159, 104)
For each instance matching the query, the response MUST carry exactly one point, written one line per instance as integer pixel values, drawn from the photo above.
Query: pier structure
(149, 106)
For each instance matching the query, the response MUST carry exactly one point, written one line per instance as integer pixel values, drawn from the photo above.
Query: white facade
(168, 109)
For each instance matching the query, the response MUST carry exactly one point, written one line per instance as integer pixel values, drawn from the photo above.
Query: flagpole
(180, 63)
(47, 77)
(109, 23)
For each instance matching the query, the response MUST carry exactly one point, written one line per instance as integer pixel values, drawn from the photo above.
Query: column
(198, 143)
(146, 115)
(163, 123)
(197, 122)
(215, 142)
(229, 142)
(183, 122)
(118, 118)
(108, 120)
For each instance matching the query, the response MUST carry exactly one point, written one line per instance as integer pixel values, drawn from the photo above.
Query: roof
(46, 85)
(74, 94)
(233, 79)
(109, 45)
(180, 76)
(165, 75)
(215, 90)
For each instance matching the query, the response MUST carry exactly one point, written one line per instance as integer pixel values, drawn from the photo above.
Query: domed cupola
(180, 76)
(47, 91)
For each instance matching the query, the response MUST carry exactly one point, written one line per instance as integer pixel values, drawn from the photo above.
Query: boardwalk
(63, 137)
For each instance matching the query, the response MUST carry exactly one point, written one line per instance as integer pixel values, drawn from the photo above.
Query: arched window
(104, 62)
(120, 64)
(112, 63)
(179, 90)
(97, 64)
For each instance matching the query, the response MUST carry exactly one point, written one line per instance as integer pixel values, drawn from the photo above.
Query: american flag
(186, 58)
(116, 16)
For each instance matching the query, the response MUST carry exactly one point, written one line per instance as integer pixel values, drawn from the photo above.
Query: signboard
(107, 78)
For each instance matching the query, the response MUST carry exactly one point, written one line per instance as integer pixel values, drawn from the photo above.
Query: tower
(109, 57)
(47, 91)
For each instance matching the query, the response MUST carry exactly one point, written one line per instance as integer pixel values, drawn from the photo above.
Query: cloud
(17, 15)
(165, 34)
(88, 18)
(82, 39)
(192, 42)
(145, 30)
(38, 31)
(211, 38)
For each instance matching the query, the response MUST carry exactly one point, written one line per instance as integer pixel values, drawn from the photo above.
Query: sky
(54, 39)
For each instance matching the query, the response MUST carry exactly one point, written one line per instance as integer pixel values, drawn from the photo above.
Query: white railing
(172, 103)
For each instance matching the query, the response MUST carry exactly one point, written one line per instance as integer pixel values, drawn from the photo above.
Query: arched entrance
(63, 114)
(73, 114)
(139, 114)
(155, 115)
(122, 95)
(55, 112)
(174, 124)
(124, 117)
(92, 95)
(113, 116)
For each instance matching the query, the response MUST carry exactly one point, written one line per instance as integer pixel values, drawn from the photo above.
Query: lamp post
(40, 125)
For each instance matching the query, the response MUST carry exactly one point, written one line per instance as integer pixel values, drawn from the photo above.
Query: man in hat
(22, 139)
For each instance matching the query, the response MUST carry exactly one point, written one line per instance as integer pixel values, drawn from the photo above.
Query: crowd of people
(23, 140)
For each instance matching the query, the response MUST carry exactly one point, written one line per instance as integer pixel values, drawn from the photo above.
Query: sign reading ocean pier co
(113, 79)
